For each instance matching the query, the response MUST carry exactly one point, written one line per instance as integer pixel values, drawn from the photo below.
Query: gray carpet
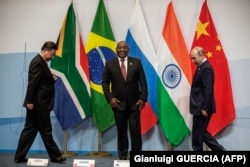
(7, 160)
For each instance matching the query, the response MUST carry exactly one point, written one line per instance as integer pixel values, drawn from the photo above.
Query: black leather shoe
(21, 160)
(58, 160)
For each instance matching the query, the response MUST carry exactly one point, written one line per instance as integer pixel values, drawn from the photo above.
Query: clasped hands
(115, 103)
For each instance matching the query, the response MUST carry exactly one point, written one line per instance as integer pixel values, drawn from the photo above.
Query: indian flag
(174, 70)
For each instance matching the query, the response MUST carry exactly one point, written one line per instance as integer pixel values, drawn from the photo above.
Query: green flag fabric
(100, 47)
(70, 65)
(174, 88)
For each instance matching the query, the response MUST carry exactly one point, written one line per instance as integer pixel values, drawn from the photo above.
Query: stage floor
(7, 160)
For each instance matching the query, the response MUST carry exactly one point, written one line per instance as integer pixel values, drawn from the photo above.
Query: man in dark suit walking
(39, 102)
(202, 102)
(125, 88)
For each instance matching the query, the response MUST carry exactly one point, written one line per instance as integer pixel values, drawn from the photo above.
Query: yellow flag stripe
(96, 41)
(61, 39)
(96, 87)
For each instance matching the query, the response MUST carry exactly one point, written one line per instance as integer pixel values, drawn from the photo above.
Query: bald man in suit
(202, 102)
(126, 91)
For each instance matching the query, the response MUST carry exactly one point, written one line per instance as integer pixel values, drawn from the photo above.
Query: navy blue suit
(202, 98)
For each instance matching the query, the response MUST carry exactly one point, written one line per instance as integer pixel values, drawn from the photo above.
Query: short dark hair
(49, 45)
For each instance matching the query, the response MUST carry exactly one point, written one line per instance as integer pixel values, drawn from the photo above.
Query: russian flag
(141, 47)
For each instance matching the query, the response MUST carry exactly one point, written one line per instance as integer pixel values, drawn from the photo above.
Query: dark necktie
(123, 69)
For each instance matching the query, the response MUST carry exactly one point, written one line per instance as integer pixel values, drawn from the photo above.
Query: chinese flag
(207, 37)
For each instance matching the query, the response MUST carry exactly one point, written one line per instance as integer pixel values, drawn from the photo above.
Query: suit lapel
(197, 72)
(129, 67)
(118, 67)
(199, 69)
(46, 68)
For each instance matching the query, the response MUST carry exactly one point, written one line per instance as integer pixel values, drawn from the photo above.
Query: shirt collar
(205, 59)
(125, 58)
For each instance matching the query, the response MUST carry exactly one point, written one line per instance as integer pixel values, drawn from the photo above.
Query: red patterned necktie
(123, 69)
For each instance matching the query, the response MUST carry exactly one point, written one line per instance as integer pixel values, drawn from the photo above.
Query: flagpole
(99, 153)
(207, 149)
(65, 153)
(170, 148)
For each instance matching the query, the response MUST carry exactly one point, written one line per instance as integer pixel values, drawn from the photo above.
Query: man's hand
(141, 104)
(204, 113)
(114, 103)
(30, 106)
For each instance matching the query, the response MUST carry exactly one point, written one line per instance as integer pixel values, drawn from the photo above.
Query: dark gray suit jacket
(202, 90)
(129, 91)
(40, 91)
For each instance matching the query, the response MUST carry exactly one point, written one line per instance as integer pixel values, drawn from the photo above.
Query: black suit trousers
(37, 121)
(124, 119)
(200, 134)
